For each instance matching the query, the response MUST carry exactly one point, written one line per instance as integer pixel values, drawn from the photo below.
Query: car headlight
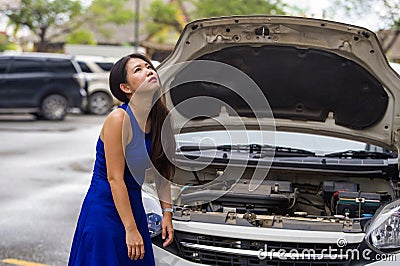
(154, 224)
(384, 230)
(153, 211)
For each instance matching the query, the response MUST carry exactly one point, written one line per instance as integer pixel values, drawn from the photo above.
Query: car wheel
(54, 107)
(99, 103)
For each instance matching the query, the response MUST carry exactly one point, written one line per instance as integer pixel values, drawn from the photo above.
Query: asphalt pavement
(45, 171)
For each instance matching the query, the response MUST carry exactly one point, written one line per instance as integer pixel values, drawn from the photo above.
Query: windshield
(320, 145)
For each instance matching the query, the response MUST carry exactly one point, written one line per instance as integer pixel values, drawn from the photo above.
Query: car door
(4, 88)
(27, 78)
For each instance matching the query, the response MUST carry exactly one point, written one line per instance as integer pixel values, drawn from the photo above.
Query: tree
(165, 20)
(173, 15)
(103, 13)
(52, 19)
(47, 19)
(216, 8)
(81, 36)
(5, 42)
(387, 10)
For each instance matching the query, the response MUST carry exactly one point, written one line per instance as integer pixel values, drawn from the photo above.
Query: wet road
(45, 170)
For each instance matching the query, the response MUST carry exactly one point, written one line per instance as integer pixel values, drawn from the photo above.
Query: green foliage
(40, 15)
(216, 8)
(167, 18)
(164, 21)
(49, 19)
(103, 13)
(110, 11)
(164, 12)
(81, 36)
(162, 15)
(3, 42)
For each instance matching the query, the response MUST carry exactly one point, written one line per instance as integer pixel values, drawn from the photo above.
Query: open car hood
(317, 76)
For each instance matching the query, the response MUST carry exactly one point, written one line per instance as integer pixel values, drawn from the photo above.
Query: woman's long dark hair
(158, 116)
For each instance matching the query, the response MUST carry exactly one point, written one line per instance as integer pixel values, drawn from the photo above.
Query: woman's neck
(141, 104)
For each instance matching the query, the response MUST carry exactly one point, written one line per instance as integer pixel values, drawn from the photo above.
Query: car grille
(214, 250)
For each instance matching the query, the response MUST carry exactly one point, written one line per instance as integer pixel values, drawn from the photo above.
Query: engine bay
(289, 200)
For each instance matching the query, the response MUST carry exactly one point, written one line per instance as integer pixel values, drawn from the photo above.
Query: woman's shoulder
(114, 119)
(117, 115)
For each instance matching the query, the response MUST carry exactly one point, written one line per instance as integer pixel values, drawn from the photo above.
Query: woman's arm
(166, 225)
(164, 194)
(115, 161)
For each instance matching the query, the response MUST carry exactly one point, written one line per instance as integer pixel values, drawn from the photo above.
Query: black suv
(45, 85)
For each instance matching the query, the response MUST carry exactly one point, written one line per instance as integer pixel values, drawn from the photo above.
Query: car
(287, 133)
(97, 69)
(43, 84)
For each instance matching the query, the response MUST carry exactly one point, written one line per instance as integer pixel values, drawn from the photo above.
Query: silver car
(288, 132)
(96, 70)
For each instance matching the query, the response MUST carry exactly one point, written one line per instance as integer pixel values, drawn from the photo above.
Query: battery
(355, 204)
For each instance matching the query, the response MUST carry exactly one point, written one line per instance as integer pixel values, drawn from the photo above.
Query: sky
(316, 10)
(314, 6)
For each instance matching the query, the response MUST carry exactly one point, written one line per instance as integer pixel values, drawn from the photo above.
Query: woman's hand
(134, 242)
(166, 225)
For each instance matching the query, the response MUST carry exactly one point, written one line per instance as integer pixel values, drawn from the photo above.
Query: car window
(315, 143)
(3, 65)
(84, 67)
(106, 66)
(60, 66)
(27, 65)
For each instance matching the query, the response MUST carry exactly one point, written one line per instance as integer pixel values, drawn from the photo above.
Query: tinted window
(105, 66)
(84, 67)
(60, 66)
(27, 65)
(3, 65)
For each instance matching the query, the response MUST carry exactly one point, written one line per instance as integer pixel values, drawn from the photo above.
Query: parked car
(46, 85)
(287, 136)
(97, 69)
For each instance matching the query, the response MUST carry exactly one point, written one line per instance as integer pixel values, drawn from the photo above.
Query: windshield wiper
(286, 152)
(228, 147)
(202, 147)
(260, 151)
(361, 154)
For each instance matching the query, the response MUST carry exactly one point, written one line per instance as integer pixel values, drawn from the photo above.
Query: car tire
(99, 103)
(54, 107)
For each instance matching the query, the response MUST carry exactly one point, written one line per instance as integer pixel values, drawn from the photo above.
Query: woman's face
(141, 76)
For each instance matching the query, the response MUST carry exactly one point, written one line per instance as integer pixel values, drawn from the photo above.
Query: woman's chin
(149, 87)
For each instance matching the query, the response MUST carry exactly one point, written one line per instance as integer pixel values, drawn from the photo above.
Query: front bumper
(166, 258)
(214, 244)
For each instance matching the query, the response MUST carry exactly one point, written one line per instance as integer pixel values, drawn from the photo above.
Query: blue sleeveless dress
(100, 235)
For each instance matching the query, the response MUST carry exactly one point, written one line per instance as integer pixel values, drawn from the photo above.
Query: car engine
(327, 205)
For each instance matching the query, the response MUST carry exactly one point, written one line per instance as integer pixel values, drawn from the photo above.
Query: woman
(112, 226)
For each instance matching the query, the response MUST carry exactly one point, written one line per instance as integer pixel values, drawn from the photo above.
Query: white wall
(100, 50)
